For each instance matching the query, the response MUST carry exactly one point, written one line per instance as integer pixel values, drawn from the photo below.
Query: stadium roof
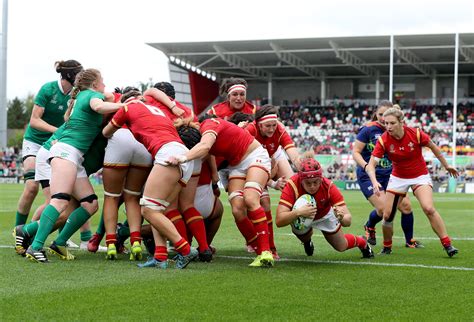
(329, 58)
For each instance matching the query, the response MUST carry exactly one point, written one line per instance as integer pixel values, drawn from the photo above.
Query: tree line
(18, 116)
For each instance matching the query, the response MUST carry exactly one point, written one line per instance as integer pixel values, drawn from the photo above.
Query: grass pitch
(411, 284)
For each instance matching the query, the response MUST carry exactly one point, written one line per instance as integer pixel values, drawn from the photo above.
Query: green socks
(20, 219)
(47, 221)
(101, 229)
(86, 235)
(77, 218)
(31, 228)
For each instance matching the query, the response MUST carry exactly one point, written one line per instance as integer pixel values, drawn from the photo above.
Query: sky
(112, 35)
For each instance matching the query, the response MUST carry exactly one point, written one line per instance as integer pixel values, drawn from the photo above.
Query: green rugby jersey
(84, 124)
(54, 101)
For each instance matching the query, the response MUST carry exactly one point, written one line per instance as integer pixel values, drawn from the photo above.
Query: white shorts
(173, 149)
(197, 167)
(29, 148)
(258, 157)
(328, 224)
(224, 177)
(279, 154)
(68, 152)
(400, 186)
(204, 200)
(124, 150)
(42, 166)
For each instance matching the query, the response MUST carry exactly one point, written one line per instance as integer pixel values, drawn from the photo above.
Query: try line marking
(399, 237)
(364, 262)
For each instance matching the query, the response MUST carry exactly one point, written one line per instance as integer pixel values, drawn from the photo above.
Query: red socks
(195, 223)
(259, 221)
(247, 230)
(271, 239)
(110, 239)
(135, 236)
(353, 241)
(177, 221)
(161, 253)
(445, 241)
(182, 247)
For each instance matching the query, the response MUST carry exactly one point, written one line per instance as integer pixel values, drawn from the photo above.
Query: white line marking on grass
(369, 262)
(400, 237)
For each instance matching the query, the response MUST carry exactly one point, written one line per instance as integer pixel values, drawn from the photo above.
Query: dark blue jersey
(369, 135)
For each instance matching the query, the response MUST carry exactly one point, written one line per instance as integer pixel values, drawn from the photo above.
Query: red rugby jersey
(188, 112)
(231, 143)
(223, 110)
(406, 153)
(148, 124)
(271, 144)
(327, 196)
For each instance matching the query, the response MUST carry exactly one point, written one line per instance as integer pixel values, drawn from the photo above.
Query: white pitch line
(366, 262)
(400, 237)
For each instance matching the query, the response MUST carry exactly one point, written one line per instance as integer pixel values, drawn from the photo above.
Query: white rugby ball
(302, 223)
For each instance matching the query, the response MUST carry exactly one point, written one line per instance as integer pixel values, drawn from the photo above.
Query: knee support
(113, 195)
(133, 193)
(89, 198)
(154, 204)
(393, 211)
(265, 194)
(44, 184)
(236, 194)
(253, 186)
(29, 175)
(62, 196)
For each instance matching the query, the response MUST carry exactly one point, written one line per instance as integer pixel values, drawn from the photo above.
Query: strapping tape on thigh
(154, 204)
(236, 194)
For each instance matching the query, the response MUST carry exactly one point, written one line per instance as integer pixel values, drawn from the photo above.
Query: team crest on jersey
(411, 146)
(54, 99)
(392, 148)
(60, 107)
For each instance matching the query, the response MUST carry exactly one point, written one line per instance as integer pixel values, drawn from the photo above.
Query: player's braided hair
(238, 117)
(68, 69)
(84, 80)
(228, 82)
(190, 136)
(166, 88)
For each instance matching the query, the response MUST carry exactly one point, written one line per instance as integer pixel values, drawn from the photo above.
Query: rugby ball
(302, 223)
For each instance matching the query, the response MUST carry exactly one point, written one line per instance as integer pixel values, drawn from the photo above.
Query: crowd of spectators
(11, 165)
(332, 130)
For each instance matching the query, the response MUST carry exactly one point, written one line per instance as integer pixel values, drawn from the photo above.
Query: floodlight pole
(270, 90)
(452, 181)
(455, 99)
(3, 77)
(390, 86)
